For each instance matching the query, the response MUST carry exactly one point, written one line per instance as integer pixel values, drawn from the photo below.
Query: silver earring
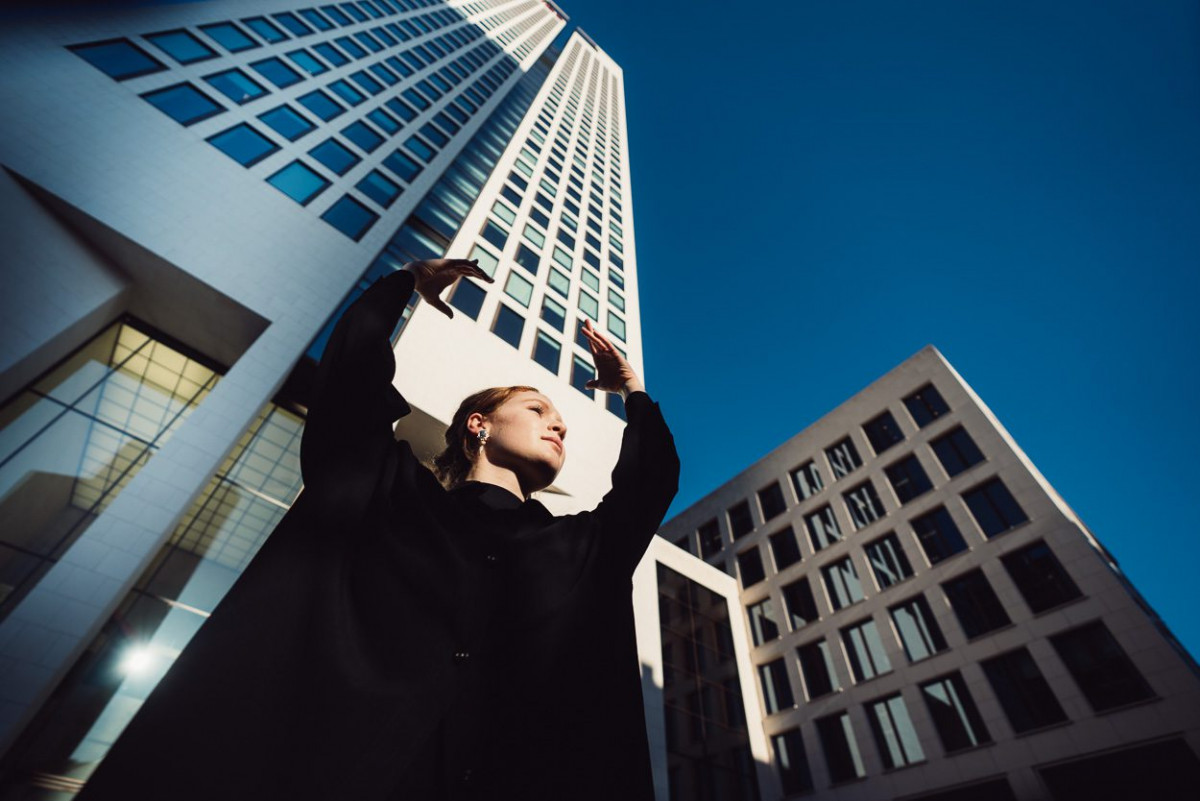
(483, 435)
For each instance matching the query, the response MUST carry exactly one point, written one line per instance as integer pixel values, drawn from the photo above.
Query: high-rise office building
(191, 194)
(930, 620)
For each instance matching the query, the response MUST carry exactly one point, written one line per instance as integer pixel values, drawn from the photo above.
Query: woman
(401, 637)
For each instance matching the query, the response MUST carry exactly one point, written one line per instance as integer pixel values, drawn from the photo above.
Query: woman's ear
(474, 423)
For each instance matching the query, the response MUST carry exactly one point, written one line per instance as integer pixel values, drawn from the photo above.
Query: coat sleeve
(644, 482)
(348, 437)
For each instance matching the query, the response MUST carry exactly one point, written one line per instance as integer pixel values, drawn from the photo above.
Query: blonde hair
(452, 465)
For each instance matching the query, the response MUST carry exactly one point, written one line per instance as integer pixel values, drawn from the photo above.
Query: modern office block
(929, 619)
(191, 194)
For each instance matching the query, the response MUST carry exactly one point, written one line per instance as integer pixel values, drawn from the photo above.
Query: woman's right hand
(434, 275)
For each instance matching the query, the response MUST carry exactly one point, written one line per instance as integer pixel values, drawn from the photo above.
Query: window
(975, 603)
(908, 478)
(864, 505)
(955, 716)
(816, 668)
(956, 451)
(864, 648)
(1100, 667)
(331, 54)
(384, 120)
(321, 104)
(335, 156)
(554, 313)
(379, 188)
(350, 217)
(888, 561)
(119, 59)
(938, 535)
(347, 92)
(842, 584)
(925, 405)
(794, 773)
(405, 168)
(770, 500)
(994, 508)
(277, 72)
(750, 567)
(183, 103)
(894, 733)
(181, 46)
(616, 326)
(243, 144)
(1043, 581)
(740, 522)
(535, 236)
(547, 352)
(840, 747)
(823, 528)
(843, 458)
(307, 62)
(229, 36)
(508, 325)
(494, 234)
(468, 298)
(287, 123)
(807, 480)
(236, 85)
(784, 548)
(363, 136)
(918, 630)
(1024, 695)
(882, 432)
(265, 29)
(801, 608)
(589, 305)
(581, 373)
(763, 626)
(710, 539)
(518, 288)
(777, 692)
(298, 182)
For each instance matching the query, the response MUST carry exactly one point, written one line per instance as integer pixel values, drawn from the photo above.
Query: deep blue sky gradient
(822, 188)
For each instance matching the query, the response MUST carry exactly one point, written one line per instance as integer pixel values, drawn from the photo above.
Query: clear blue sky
(822, 188)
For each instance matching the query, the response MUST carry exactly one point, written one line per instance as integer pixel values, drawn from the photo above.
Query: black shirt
(394, 640)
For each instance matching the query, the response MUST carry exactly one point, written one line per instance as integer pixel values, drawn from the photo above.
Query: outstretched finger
(441, 306)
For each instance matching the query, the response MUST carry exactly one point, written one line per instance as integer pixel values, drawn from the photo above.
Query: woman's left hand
(613, 371)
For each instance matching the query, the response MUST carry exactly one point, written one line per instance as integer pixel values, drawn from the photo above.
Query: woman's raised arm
(354, 404)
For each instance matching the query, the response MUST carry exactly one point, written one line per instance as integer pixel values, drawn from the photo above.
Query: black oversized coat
(394, 640)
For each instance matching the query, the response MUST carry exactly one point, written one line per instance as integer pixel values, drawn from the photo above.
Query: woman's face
(525, 435)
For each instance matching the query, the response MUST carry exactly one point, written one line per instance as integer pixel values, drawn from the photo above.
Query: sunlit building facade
(930, 621)
(192, 193)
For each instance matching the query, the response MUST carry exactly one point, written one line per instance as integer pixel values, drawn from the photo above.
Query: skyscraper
(192, 193)
(930, 620)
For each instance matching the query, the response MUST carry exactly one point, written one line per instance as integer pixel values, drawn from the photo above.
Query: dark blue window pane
(307, 62)
(337, 15)
(379, 188)
(547, 352)
(350, 46)
(405, 111)
(414, 59)
(183, 103)
(468, 298)
(403, 166)
(181, 46)
(425, 87)
(615, 404)
(229, 36)
(399, 32)
(414, 97)
(277, 72)
(449, 125)
(382, 35)
(347, 92)
(316, 20)
(335, 156)
(434, 135)
(354, 12)
(399, 66)
(293, 23)
(509, 325)
(369, 41)
(425, 54)
(236, 85)
(440, 82)
(287, 123)
(321, 104)
(361, 134)
(384, 74)
(367, 82)
(265, 29)
(119, 59)
(554, 313)
(331, 54)
(581, 373)
(350, 217)
(298, 182)
(243, 144)
(371, 9)
(423, 151)
(384, 120)
(456, 112)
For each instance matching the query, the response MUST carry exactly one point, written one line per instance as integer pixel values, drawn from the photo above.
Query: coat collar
(497, 498)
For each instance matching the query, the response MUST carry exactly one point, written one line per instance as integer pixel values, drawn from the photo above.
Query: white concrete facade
(1171, 709)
